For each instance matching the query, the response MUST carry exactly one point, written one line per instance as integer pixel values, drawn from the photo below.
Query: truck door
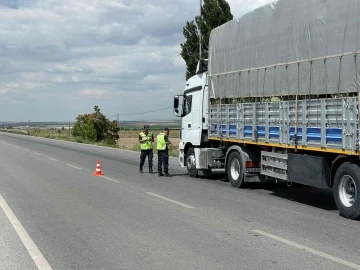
(191, 129)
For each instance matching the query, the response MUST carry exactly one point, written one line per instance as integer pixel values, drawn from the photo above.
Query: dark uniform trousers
(146, 153)
(163, 159)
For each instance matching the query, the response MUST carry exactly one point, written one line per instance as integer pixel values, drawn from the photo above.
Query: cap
(146, 126)
(165, 128)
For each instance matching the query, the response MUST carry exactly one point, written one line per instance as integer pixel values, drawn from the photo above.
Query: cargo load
(288, 48)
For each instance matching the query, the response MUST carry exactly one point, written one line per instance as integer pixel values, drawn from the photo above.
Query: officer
(163, 152)
(146, 139)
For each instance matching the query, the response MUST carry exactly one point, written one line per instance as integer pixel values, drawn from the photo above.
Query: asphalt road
(54, 213)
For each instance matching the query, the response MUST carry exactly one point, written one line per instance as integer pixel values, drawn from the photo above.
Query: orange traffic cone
(98, 169)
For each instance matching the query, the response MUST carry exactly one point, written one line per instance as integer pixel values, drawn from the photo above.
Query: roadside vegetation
(96, 128)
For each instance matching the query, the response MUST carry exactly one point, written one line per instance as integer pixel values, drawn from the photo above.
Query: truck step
(274, 165)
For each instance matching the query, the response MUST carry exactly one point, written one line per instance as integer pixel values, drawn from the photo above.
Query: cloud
(59, 58)
(240, 7)
(3, 91)
(91, 93)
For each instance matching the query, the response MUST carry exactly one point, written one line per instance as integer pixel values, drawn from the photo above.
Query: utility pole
(200, 31)
(69, 130)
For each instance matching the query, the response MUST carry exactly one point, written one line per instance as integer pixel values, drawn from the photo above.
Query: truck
(277, 99)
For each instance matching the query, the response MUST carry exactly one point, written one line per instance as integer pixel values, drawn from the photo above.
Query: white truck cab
(192, 107)
(200, 155)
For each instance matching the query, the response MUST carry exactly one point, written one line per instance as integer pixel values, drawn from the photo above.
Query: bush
(97, 128)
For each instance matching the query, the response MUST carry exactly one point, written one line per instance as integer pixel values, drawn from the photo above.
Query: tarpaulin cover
(288, 47)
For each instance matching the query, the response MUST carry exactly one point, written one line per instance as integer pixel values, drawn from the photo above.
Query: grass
(65, 135)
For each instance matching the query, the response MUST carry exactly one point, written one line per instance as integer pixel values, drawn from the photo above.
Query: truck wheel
(347, 190)
(191, 163)
(234, 170)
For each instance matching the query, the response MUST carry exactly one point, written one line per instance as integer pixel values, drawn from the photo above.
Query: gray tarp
(248, 56)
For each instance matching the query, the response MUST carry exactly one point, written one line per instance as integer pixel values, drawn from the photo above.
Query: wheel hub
(347, 191)
(191, 163)
(235, 169)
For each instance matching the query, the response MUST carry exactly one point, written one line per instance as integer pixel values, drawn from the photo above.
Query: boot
(161, 174)
(141, 170)
(151, 170)
(167, 174)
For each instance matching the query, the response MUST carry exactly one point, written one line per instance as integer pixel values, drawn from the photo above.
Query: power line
(148, 111)
(117, 115)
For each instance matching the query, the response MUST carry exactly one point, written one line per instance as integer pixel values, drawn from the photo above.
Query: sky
(60, 58)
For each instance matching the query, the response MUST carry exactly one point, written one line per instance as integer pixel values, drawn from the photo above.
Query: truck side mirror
(176, 105)
(176, 102)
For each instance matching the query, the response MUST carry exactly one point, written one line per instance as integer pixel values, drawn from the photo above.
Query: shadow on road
(314, 197)
(179, 174)
(171, 174)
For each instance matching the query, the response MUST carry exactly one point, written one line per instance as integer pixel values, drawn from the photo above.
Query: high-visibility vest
(161, 143)
(148, 144)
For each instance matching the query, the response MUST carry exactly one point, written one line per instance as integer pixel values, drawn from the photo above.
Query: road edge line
(33, 250)
(310, 250)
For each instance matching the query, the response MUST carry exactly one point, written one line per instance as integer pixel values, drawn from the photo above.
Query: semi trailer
(277, 99)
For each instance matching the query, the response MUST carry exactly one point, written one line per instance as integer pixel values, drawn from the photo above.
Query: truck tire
(191, 163)
(346, 190)
(234, 170)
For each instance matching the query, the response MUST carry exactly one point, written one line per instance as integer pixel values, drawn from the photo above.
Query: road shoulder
(13, 253)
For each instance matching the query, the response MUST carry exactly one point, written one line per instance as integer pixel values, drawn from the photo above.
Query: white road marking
(74, 166)
(107, 178)
(10, 144)
(26, 150)
(17, 146)
(170, 200)
(305, 248)
(52, 159)
(37, 154)
(33, 250)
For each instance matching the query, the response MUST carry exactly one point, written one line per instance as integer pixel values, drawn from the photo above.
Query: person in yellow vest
(163, 152)
(146, 139)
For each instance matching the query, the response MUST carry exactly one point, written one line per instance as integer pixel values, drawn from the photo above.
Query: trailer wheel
(234, 170)
(191, 163)
(347, 190)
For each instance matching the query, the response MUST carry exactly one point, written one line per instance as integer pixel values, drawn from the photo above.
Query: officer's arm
(140, 139)
(167, 140)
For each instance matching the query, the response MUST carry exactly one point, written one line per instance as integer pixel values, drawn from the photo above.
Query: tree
(213, 14)
(96, 127)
